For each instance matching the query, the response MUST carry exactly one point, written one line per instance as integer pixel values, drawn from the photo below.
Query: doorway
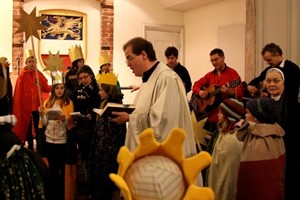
(162, 37)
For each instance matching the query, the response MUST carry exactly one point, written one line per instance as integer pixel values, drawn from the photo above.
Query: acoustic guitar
(200, 105)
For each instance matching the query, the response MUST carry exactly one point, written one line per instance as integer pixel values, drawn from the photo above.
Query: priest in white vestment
(161, 101)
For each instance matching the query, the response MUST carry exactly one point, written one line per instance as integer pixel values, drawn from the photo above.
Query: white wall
(6, 29)
(219, 25)
(278, 22)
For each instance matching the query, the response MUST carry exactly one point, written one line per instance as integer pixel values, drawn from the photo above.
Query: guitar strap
(193, 103)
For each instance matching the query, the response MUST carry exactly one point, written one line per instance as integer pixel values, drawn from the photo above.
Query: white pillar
(6, 29)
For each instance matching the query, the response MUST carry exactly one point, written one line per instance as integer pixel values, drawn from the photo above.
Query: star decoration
(54, 62)
(171, 148)
(199, 131)
(30, 24)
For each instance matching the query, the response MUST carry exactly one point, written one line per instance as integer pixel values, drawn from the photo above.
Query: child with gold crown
(107, 139)
(56, 118)
(77, 60)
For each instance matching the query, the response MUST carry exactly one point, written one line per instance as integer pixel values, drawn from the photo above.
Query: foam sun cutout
(30, 24)
(171, 148)
(54, 62)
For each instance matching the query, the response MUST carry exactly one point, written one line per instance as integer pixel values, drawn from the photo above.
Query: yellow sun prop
(171, 148)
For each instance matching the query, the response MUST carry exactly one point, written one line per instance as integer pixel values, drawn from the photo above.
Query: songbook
(53, 114)
(79, 115)
(114, 107)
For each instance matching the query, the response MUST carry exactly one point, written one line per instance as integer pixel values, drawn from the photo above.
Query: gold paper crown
(57, 77)
(104, 59)
(29, 53)
(75, 53)
(107, 78)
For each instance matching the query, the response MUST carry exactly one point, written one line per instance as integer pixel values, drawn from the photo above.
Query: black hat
(263, 109)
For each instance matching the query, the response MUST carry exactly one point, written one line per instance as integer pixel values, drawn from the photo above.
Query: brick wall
(17, 45)
(107, 27)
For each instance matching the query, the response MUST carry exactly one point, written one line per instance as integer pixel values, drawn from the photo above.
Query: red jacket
(26, 99)
(212, 78)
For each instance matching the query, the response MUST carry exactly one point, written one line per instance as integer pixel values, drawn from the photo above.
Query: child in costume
(85, 99)
(223, 170)
(107, 139)
(262, 168)
(26, 101)
(77, 60)
(106, 67)
(57, 120)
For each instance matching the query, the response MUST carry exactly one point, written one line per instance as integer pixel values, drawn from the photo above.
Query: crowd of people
(266, 165)
(252, 142)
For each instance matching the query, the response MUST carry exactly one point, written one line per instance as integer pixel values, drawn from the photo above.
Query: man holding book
(161, 100)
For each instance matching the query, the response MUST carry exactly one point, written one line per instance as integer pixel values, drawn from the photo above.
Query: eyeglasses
(129, 59)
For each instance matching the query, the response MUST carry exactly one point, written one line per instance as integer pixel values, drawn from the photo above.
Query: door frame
(168, 28)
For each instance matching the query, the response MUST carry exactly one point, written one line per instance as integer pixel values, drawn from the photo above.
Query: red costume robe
(26, 99)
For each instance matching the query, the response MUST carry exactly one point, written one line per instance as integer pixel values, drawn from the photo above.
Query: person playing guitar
(210, 97)
(221, 83)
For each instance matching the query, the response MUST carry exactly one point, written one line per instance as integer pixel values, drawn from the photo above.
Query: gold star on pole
(54, 62)
(30, 24)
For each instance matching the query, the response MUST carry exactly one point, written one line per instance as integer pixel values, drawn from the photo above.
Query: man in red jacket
(217, 85)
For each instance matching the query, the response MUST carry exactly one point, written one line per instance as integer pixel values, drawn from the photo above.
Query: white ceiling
(184, 5)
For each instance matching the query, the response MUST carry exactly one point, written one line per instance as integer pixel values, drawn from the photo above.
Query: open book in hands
(53, 114)
(114, 107)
